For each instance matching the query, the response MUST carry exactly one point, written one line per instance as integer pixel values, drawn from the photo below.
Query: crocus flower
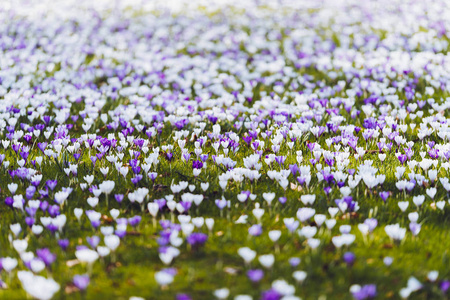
(47, 257)
(349, 258)
(255, 275)
(81, 281)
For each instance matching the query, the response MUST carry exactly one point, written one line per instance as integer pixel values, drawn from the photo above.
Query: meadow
(224, 150)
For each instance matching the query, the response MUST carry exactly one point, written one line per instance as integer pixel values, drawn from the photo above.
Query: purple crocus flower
(63, 243)
(421, 104)
(280, 160)
(134, 166)
(93, 241)
(118, 197)
(170, 271)
(371, 223)
(292, 226)
(444, 286)
(221, 203)
(328, 177)
(247, 139)
(329, 161)
(81, 281)
(294, 169)
(294, 261)
(255, 275)
(381, 145)
(402, 158)
(153, 176)
(301, 180)
(44, 193)
(384, 195)
(29, 221)
(197, 238)
(9, 201)
(367, 134)
(370, 123)
(22, 173)
(186, 156)
(415, 228)
(24, 155)
(353, 142)
(134, 221)
(183, 297)
(161, 203)
(411, 184)
(95, 223)
(47, 257)
(52, 228)
(93, 159)
(409, 153)
(120, 233)
(51, 184)
(349, 201)
(186, 205)
(53, 211)
(270, 295)
(389, 146)
(169, 156)
(447, 155)
(16, 147)
(349, 258)
(135, 180)
(43, 206)
(434, 153)
(365, 292)
(42, 146)
(310, 146)
(255, 230)
(197, 164)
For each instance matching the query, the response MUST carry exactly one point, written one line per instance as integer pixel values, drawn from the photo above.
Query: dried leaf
(73, 262)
